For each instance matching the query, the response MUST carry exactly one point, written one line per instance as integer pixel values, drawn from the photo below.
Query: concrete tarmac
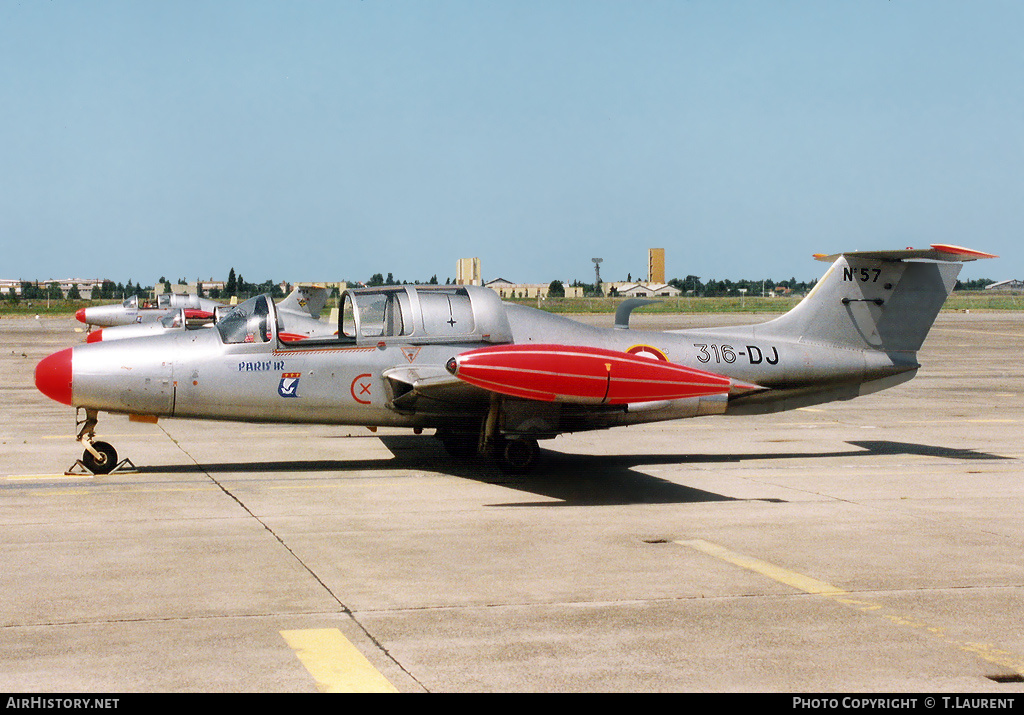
(875, 545)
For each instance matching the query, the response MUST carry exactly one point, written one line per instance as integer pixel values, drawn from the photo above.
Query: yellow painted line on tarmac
(40, 477)
(98, 436)
(988, 652)
(999, 420)
(336, 664)
(776, 573)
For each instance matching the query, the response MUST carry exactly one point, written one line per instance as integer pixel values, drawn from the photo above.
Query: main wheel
(106, 461)
(518, 456)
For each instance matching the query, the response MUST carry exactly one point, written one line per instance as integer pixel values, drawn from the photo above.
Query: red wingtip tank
(583, 375)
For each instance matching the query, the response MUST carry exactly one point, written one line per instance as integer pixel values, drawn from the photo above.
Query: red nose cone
(94, 337)
(80, 315)
(53, 376)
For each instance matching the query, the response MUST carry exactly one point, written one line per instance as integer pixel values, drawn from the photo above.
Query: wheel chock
(125, 466)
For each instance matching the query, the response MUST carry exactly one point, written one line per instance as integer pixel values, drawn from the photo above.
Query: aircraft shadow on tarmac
(571, 479)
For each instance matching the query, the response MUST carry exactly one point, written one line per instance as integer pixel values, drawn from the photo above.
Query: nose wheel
(103, 462)
(99, 457)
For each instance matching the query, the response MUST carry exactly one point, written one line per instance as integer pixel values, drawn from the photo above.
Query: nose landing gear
(99, 457)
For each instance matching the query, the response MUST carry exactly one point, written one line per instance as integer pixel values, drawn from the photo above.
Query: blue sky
(333, 140)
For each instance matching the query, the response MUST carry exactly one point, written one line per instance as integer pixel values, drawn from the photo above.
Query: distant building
(508, 289)
(467, 272)
(85, 285)
(643, 290)
(340, 286)
(6, 284)
(210, 285)
(656, 265)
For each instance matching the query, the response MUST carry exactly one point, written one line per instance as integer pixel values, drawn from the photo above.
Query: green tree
(556, 289)
(231, 287)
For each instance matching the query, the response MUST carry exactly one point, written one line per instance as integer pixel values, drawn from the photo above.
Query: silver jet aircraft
(133, 311)
(298, 314)
(496, 378)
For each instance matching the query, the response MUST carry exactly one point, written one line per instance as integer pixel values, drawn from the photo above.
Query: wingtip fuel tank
(582, 375)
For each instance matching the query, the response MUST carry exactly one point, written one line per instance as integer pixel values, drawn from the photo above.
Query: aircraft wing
(431, 388)
(937, 252)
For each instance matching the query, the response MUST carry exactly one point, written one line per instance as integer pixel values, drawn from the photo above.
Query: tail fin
(876, 300)
(305, 300)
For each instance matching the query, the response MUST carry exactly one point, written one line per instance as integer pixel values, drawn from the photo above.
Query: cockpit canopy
(405, 314)
(164, 301)
(173, 320)
(421, 314)
(247, 322)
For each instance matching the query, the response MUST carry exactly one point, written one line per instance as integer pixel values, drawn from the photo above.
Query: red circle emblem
(648, 351)
(361, 388)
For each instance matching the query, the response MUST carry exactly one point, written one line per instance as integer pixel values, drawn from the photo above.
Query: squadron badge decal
(289, 386)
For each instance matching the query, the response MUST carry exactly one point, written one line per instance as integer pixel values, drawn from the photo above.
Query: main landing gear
(515, 455)
(99, 457)
(519, 454)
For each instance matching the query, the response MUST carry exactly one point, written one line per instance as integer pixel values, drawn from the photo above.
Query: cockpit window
(174, 320)
(383, 314)
(247, 322)
(131, 302)
(346, 318)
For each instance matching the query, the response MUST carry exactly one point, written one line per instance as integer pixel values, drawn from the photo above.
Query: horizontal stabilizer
(937, 252)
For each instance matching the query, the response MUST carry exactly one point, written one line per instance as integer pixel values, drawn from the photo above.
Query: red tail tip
(80, 315)
(95, 337)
